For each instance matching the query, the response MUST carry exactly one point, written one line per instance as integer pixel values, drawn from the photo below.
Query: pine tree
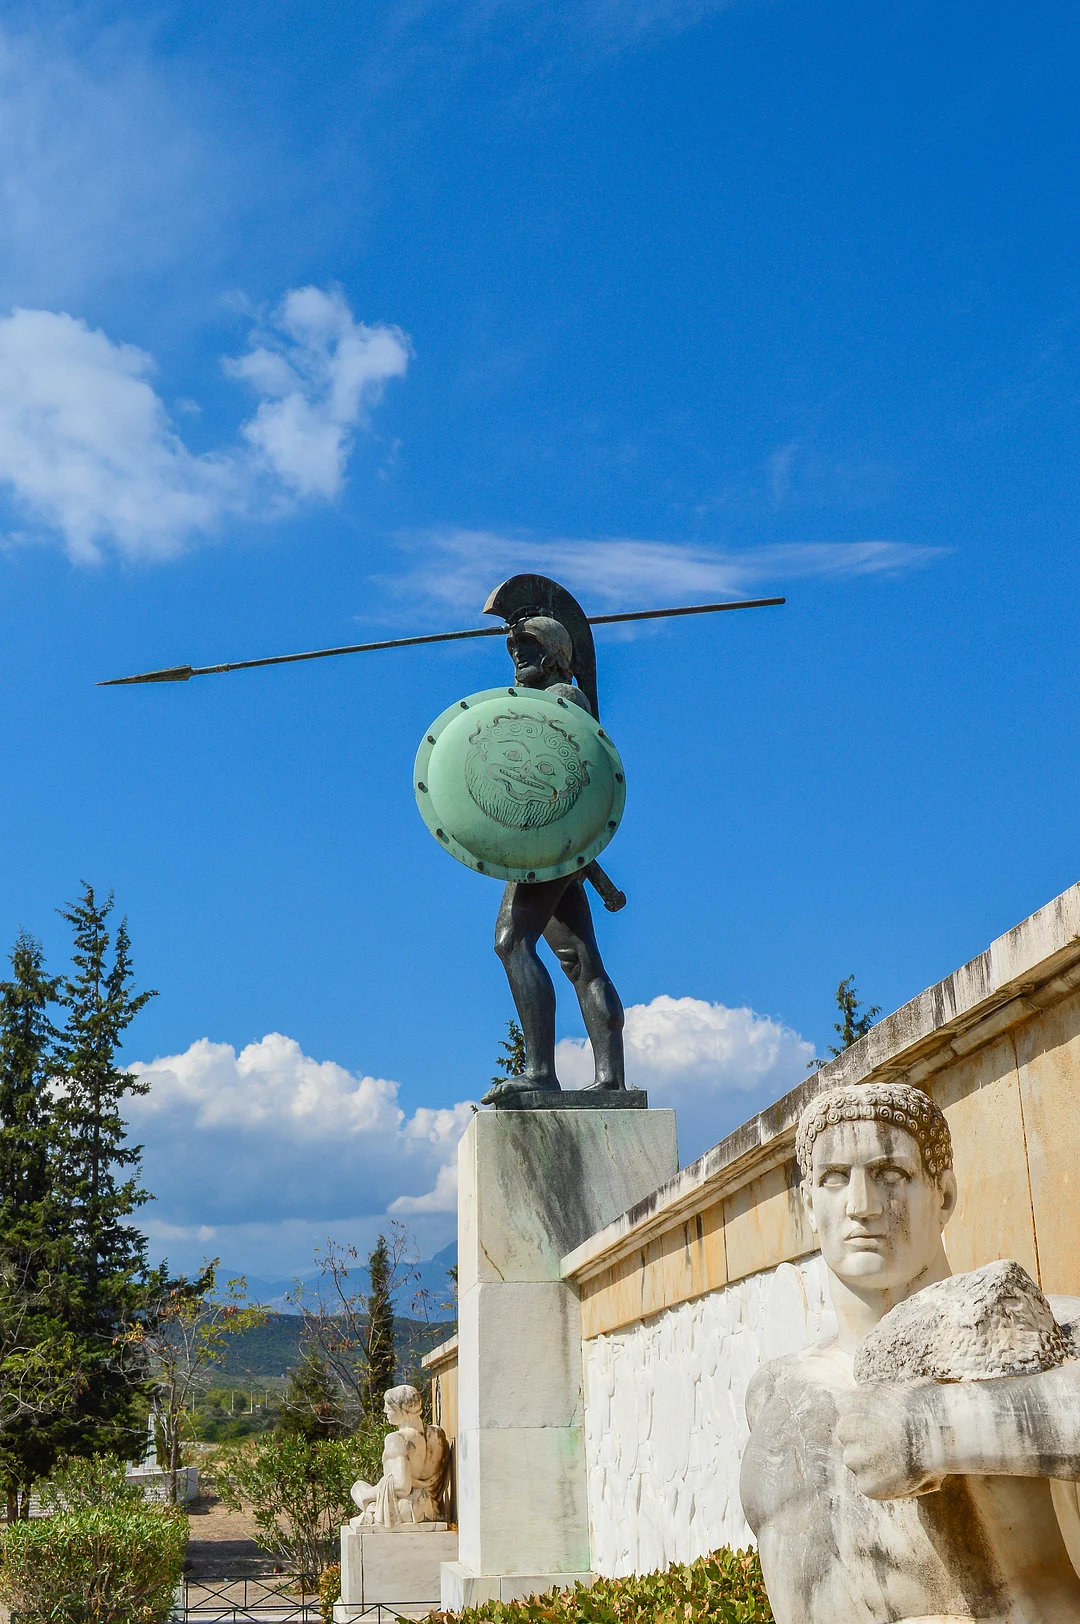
(380, 1364)
(512, 1063)
(26, 1039)
(100, 1258)
(855, 1021)
(312, 1406)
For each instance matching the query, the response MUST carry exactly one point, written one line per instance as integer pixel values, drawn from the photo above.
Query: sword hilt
(605, 888)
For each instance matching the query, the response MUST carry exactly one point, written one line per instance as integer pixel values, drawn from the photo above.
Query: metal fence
(235, 1601)
(280, 1600)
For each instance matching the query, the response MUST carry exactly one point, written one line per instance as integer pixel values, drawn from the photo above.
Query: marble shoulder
(776, 1379)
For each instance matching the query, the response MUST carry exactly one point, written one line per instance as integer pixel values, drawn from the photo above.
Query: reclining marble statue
(416, 1460)
(920, 1467)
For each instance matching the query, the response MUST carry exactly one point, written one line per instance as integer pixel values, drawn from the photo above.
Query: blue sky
(315, 322)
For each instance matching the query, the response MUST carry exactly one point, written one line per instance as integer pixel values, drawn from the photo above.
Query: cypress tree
(100, 1258)
(380, 1365)
(26, 1040)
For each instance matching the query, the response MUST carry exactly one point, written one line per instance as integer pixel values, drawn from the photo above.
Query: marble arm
(904, 1439)
(396, 1465)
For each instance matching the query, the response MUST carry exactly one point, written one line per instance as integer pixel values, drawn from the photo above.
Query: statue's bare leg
(523, 917)
(571, 937)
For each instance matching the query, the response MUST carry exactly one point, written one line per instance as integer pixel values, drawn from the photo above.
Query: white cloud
(242, 1146)
(259, 1155)
(443, 1198)
(455, 567)
(320, 370)
(714, 1065)
(88, 451)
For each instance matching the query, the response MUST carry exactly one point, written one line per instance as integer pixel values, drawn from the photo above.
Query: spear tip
(171, 673)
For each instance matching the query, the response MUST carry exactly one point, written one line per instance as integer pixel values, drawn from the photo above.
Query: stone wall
(664, 1425)
(684, 1295)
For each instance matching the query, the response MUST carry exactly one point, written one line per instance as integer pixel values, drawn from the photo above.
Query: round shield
(518, 784)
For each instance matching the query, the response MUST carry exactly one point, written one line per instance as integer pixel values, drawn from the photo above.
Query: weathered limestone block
(532, 1187)
(993, 1321)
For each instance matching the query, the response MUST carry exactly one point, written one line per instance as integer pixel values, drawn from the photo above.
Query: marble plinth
(392, 1565)
(532, 1186)
(462, 1588)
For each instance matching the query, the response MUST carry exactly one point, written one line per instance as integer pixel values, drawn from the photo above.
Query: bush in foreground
(724, 1588)
(97, 1565)
(329, 1591)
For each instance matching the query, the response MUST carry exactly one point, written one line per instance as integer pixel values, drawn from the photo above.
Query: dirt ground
(221, 1544)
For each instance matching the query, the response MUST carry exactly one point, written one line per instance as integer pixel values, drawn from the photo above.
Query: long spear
(181, 673)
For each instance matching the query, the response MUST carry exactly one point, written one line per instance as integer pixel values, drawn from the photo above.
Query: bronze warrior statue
(550, 642)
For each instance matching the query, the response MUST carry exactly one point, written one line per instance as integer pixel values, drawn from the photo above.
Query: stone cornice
(1034, 965)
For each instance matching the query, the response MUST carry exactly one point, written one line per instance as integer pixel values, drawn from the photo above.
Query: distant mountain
(274, 1292)
(268, 1352)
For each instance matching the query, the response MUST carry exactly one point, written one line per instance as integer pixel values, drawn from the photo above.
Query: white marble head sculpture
(895, 1104)
(401, 1403)
(878, 1187)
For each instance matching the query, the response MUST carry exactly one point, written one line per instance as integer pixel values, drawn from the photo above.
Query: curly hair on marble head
(895, 1103)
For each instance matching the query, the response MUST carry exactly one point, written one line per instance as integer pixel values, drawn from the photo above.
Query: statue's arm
(904, 1439)
(396, 1466)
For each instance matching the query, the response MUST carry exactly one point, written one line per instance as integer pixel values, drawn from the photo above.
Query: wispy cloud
(90, 456)
(456, 567)
(101, 174)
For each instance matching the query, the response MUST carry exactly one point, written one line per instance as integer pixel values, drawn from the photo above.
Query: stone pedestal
(399, 1565)
(532, 1185)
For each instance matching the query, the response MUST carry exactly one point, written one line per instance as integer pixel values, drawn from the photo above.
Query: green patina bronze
(519, 784)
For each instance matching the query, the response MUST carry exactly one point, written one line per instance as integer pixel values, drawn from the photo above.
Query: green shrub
(298, 1492)
(329, 1591)
(82, 1481)
(97, 1565)
(724, 1588)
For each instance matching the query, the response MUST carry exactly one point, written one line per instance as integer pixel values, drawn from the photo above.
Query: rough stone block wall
(664, 1423)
